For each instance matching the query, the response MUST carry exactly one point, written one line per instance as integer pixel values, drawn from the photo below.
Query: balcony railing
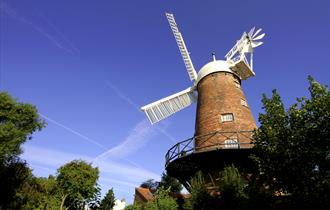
(187, 146)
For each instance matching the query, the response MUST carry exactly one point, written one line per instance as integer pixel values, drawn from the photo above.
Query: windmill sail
(236, 57)
(237, 47)
(165, 107)
(182, 46)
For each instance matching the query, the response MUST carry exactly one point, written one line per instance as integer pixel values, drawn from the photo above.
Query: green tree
(51, 197)
(162, 201)
(292, 148)
(17, 123)
(133, 207)
(108, 201)
(232, 188)
(151, 184)
(13, 174)
(78, 183)
(40, 193)
(200, 197)
(168, 181)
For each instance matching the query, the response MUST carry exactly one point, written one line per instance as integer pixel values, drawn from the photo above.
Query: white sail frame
(182, 47)
(165, 107)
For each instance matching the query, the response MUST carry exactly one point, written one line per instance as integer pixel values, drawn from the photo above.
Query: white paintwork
(213, 66)
(241, 67)
(231, 143)
(165, 107)
(237, 47)
(256, 33)
(236, 56)
(182, 47)
(259, 37)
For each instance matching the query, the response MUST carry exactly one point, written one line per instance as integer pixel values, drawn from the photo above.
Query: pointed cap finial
(213, 56)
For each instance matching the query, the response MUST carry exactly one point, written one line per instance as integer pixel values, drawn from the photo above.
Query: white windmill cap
(211, 67)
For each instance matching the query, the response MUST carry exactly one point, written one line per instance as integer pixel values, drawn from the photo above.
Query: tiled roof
(144, 193)
(179, 195)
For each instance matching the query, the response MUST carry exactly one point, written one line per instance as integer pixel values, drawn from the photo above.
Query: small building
(142, 195)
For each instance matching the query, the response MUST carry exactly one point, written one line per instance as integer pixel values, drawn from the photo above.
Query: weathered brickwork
(218, 94)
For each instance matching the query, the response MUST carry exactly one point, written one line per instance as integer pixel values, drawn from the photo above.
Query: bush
(200, 198)
(162, 201)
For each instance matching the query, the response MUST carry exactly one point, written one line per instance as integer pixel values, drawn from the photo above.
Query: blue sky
(89, 65)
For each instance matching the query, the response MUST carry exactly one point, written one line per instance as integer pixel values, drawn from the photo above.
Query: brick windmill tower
(224, 122)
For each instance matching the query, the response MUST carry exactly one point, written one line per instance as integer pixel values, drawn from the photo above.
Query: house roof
(179, 195)
(144, 193)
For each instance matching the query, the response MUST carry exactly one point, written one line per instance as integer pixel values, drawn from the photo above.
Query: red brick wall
(218, 94)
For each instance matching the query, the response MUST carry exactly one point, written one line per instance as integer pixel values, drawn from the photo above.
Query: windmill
(223, 119)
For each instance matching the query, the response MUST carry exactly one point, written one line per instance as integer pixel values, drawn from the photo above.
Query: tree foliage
(49, 193)
(78, 183)
(169, 182)
(74, 185)
(108, 201)
(133, 207)
(200, 197)
(166, 182)
(162, 190)
(232, 192)
(17, 122)
(40, 193)
(13, 174)
(151, 184)
(291, 155)
(162, 201)
(232, 188)
(33, 192)
(292, 148)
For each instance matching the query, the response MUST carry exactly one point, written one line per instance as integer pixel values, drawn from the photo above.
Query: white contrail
(122, 95)
(116, 181)
(137, 138)
(136, 107)
(73, 131)
(49, 159)
(5, 8)
(72, 46)
(112, 174)
(92, 141)
(49, 170)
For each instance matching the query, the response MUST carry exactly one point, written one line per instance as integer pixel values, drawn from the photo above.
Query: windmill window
(243, 102)
(231, 143)
(227, 117)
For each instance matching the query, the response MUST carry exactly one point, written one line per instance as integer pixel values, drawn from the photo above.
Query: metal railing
(187, 146)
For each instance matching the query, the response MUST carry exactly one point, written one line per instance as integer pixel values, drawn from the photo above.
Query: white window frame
(244, 103)
(231, 143)
(228, 117)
